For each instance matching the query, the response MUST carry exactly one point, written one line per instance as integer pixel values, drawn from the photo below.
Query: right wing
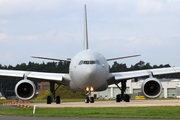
(58, 77)
(25, 89)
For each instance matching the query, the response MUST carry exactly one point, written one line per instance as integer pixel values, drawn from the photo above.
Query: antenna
(85, 30)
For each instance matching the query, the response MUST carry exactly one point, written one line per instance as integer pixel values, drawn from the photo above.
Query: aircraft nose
(90, 72)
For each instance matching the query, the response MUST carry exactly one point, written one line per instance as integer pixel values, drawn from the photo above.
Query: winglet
(85, 30)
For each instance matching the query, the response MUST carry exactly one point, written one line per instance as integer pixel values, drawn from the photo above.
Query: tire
(48, 99)
(127, 98)
(58, 100)
(87, 100)
(91, 100)
(118, 98)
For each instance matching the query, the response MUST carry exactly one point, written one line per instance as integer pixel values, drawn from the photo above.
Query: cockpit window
(97, 62)
(80, 63)
(92, 62)
(86, 62)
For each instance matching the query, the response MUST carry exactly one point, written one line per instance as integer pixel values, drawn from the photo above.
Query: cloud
(3, 21)
(3, 36)
(133, 39)
(12, 7)
(145, 7)
(118, 27)
(27, 37)
(176, 35)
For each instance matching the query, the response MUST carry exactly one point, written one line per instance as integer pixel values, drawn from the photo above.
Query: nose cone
(90, 73)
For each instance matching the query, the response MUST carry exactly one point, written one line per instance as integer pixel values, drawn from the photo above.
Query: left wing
(151, 86)
(118, 76)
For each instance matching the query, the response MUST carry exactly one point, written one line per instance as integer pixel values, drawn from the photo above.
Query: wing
(25, 89)
(58, 77)
(119, 76)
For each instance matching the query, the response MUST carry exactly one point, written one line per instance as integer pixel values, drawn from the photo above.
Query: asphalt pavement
(58, 118)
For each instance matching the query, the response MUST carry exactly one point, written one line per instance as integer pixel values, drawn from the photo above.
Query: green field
(107, 112)
(163, 112)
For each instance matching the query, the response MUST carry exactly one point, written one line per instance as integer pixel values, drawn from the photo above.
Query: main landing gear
(53, 97)
(122, 96)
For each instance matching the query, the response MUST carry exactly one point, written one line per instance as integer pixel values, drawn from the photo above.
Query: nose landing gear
(89, 98)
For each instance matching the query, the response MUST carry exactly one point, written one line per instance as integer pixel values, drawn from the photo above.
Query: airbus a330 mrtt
(88, 71)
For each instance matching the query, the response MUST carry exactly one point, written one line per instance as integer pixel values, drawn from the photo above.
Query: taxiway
(112, 103)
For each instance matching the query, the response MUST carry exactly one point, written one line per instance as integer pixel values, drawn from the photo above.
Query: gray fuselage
(89, 69)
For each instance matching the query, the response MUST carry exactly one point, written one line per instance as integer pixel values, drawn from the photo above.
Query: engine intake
(25, 89)
(151, 88)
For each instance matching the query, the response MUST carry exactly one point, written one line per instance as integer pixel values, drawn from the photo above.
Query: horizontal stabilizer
(51, 59)
(122, 57)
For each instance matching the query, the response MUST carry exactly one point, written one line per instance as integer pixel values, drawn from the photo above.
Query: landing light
(89, 89)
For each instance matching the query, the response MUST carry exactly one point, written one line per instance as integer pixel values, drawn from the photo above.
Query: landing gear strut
(122, 96)
(89, 98)
(53, 97)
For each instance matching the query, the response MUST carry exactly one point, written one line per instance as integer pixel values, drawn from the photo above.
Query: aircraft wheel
(87, 100)
(58, 100)
(118, 98)
(48, 99)
(91, 100)
(127, 98)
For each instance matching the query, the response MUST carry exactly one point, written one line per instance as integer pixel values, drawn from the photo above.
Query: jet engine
(151, 87)
(25, 89)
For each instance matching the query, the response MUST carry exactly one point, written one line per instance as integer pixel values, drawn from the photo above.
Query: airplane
(89, 72)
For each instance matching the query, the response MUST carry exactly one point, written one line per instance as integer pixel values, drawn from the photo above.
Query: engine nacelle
(151, 87)
(25, 89)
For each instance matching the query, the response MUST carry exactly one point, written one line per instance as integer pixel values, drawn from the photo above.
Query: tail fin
(85, 30)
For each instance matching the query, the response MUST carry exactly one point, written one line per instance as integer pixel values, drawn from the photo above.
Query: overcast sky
(55, 28)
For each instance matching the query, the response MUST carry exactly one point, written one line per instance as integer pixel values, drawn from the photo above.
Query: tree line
(63, 67)
(8, 83)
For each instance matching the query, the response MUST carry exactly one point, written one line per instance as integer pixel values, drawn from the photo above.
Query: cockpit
(89, 62)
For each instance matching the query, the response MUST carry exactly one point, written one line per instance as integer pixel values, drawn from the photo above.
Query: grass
(163, 112)
(157, 112)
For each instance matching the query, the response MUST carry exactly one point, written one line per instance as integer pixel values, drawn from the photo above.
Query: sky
(55, 28)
